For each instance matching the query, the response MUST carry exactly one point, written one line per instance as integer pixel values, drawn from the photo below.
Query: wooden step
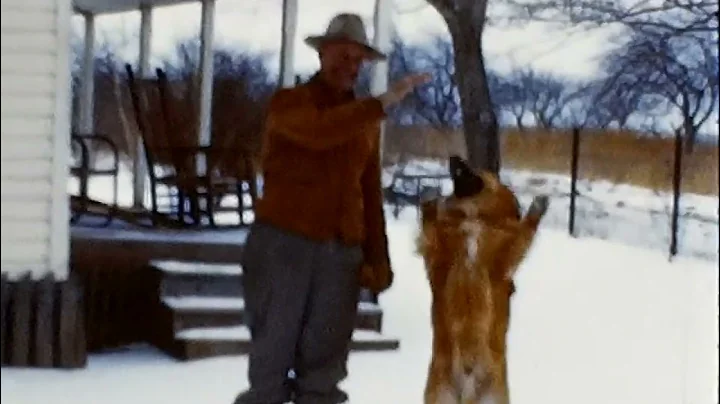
(184, 278)
(201, 343)
(203, 311)
(177, 267)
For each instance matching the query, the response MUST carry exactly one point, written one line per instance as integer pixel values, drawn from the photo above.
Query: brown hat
(345, 27)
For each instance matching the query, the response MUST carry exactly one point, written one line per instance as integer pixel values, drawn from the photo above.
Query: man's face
(341, 62)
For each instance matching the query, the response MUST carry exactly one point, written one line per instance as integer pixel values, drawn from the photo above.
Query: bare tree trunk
(479, 119)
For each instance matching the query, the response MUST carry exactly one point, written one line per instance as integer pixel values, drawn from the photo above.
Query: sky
(256, 25)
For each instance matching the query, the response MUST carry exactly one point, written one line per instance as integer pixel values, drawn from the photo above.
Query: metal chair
(84, 170)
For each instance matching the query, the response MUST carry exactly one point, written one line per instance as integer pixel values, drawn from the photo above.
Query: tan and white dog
(472, 243)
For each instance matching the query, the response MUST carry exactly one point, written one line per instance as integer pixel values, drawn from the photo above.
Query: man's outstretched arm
(294, 115)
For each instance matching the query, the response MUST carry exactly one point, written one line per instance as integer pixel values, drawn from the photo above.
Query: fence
(675, 213)
(635, 197)
(411, 189)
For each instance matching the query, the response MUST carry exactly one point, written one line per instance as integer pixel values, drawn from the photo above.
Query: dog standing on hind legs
(472, 243)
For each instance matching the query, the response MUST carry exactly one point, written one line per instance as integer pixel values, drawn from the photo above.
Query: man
(319, 234)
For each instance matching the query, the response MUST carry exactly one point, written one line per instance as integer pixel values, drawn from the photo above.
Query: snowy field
(594, 322)
(628, 214)
(617, 212)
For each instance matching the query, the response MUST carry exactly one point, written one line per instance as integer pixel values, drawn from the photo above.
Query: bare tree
(405, 59)
(654, 71)
(510, 101)
(436, 104)
(653, 62)
(607, 104)
(540, 96)
(466, 20)
(402, 59)
(669, 17)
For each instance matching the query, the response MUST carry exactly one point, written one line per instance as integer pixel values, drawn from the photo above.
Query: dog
(472, 242)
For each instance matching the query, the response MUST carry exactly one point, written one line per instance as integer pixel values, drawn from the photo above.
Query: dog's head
(483, 208)
(476, 194)
(466, 183)
(482, 192)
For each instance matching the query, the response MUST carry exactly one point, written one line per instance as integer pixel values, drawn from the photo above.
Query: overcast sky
(255, 25)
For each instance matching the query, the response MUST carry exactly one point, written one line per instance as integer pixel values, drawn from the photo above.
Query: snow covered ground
(594, 322)
(630, 215)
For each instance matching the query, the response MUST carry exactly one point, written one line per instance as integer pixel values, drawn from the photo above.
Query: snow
(234, 303)
(369, 335)
(605, 210)
(604, 318)
(242, 333)
(619, 212)
(234, 333)
(368, 307)
(204, 302)
(118, 231)
(593, 322)
(190, 267)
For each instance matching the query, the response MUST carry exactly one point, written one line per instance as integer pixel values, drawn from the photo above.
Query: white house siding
(35, 132)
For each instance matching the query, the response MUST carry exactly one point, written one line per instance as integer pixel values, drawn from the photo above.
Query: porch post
(382, 25)
(287, 43)
(140, 170)
(207, 30)
(382, 41)
(87, 83)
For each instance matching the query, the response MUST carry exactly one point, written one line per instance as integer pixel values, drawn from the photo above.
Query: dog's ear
(465, 182)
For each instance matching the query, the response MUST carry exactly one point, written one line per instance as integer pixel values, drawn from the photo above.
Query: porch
(90, 9)
(127, 290)
(194, 313)
(180, 290)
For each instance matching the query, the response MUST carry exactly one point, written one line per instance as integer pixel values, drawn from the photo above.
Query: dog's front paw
(539, 205)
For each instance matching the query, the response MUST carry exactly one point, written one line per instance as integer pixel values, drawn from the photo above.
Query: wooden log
(4, 315)
(44, 321)
(21, 322)
(69, 311)
(80, 334)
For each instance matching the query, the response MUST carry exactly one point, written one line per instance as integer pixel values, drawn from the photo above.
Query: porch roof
(120, 6)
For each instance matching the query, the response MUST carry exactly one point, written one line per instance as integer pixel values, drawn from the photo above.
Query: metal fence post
(574, 178)
(676, 184)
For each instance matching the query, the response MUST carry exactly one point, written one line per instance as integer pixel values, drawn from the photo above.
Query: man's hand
(401, 88)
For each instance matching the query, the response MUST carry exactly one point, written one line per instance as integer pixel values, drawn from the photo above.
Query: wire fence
(681, 224)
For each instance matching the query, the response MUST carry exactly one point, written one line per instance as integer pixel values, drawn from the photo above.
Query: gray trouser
(301, 301)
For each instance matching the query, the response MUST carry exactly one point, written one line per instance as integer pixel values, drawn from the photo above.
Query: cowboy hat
(345, 27)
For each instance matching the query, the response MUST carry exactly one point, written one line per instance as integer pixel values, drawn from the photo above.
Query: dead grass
(618, 157)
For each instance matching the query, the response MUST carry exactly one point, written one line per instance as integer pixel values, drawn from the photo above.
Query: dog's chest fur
(467, 295)
(459, 264)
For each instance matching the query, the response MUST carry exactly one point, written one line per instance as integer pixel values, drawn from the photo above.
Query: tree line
(658, 68)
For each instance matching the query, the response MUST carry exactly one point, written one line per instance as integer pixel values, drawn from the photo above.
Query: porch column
(382, 40)
(207, 30)
(87, 82)
(287, 43)
(140, 171)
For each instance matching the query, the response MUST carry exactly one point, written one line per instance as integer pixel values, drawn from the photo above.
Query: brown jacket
(321, 172)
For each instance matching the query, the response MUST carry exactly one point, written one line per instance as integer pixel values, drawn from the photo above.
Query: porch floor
(127, 285)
